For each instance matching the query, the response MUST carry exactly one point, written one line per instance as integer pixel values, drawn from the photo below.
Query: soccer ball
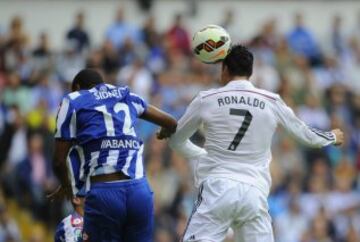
(211, 44)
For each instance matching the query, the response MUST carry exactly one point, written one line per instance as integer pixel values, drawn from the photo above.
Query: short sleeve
(139, 103)
(66, 121)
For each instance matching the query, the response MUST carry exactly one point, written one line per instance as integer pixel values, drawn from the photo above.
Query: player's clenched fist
(164, 133)
(339, 136)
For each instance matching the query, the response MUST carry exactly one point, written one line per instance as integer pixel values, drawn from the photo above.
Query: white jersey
(239, 122)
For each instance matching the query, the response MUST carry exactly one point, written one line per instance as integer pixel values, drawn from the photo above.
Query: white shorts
(222, 204)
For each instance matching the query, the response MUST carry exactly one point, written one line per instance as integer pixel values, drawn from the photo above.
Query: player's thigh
(104, 213)
(140, 213)
(211, 216)
(253, 222)
(95, 231)
(204, 229)
(257, 230)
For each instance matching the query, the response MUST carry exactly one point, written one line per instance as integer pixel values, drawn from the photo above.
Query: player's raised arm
(158, 117)
(154, 115)
(307, 135)
(187, 126)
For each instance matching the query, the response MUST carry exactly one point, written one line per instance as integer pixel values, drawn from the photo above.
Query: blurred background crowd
(315, 195)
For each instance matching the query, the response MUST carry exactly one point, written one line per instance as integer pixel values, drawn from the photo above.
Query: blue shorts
(119, 212)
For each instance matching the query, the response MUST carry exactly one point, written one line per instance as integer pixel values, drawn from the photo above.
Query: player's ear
(75, 87)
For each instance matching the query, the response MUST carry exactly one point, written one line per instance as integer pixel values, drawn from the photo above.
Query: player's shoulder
(76, 99)
(209, 92)
(267, 94)
(75, 96)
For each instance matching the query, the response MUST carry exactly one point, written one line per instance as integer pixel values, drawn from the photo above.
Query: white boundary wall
(56, 16)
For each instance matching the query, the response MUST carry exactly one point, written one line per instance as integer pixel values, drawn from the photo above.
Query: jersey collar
(240, 83)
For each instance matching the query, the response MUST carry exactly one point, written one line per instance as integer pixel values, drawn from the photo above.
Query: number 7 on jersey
(244, 126)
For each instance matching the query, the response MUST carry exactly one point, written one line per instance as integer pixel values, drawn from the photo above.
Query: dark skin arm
(62, 148)
(165, 121)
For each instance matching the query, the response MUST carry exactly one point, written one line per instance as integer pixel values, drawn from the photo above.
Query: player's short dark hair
(87, 78)
(239, 61)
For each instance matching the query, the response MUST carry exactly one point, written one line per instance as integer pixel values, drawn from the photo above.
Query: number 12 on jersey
(108, 119)
(243, 128)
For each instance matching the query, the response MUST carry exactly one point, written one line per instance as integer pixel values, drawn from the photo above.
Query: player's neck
(234, 78)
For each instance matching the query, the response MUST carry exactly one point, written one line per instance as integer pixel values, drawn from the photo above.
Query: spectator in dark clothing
(42, 58)
(111, 59)
(42, 50)
(150, 33)
(78, 34)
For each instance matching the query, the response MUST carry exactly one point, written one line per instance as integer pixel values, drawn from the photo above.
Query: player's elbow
(310, 143)
(313, 145)
(60, 154)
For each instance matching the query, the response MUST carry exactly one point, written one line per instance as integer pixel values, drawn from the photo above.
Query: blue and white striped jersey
(70, 229)
(101, 123)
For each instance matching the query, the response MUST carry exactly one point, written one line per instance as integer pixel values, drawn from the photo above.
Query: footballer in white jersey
(232, 170)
